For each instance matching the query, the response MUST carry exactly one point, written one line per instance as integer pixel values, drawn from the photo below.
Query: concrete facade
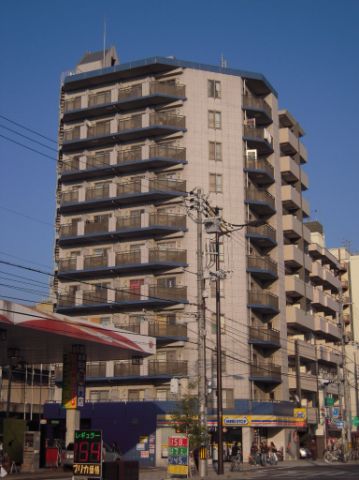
(134, 139)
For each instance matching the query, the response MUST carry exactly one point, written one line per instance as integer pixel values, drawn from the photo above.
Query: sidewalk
(160, 473)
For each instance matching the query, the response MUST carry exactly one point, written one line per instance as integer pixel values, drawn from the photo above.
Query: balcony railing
(94, 297)
(97, 227)
(99, 99)
(157, 255)
(129, 187)
(167, 151)
(134, 327)
(166, 329)
(128, 258)
(71, 196)
(261, 164)
(125, 295)
(72, 104)
(66, 264)
(71, 164)
(98, 161)
(177, 367)
(133, 221)
(257, 133)
(130, 92)
(168, 293)
(264, 335)
(66, 300)
(266, 370)
(167, 184)
(68, 230)
(73, 134)
(126, 369)
(96, 370)
(262, 263)
(167, 88)
(249, 101)
(97, 193)
(129, 155)
(167, 220)
(130, 123)
(95, 261)
(99, 130)
(265, 231)
(255, 195)
(170, 119)
(263, 298)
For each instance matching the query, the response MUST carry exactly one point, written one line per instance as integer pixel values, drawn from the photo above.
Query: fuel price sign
(178, 456)
(88, 454)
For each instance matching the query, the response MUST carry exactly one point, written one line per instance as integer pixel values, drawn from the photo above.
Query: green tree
(186, 420)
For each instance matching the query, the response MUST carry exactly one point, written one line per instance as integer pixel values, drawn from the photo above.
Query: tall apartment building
(134, 139)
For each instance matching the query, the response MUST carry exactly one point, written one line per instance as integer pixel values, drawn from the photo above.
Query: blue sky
(307, 49)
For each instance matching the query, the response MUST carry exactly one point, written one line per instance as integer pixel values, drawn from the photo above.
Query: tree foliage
(186, 420)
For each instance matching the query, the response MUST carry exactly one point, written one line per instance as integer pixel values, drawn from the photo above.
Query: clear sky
(307, 49)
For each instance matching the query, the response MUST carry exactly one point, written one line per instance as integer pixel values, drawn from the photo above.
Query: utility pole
(219, 360)
(201, 340)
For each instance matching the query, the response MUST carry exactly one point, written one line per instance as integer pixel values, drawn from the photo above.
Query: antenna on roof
(104, 41)
(224, 63)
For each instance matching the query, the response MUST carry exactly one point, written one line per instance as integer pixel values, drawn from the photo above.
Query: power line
(28, 138)
(26, 128)
(28, 148)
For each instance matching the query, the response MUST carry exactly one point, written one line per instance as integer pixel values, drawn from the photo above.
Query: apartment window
(215, 151)
(214, 89)
(215, 183)
(214, 119)
(228, 398)
(162, 395)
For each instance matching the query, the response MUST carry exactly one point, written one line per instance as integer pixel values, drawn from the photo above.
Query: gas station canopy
(35, 336)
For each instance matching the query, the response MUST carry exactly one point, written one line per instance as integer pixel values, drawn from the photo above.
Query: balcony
(294, 287)
(257, 108)
(127, 160)
(259, 170)
(306, 350)
(135, 127)
(329, 355)
(294, 229)
(165, 331)
(259, 139)
(168, 369)
(265, 372)
(291, 145)
(126, 369)
(264, 337)
(308, 382)
(140, 95)
(293, 200)
(135, 192)
(299, 319)
(260, 202)
(263, 268)
(263, 237)
(292, 172)
(121, 263)
(153, 225)
(263, 302)
(95, 370)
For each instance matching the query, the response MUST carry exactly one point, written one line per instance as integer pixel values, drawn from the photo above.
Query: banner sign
(74, 378)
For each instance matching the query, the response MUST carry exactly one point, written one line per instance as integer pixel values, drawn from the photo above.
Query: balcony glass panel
(99, 160)
(255, 195)
(167, 220)
(260, 164)
(68, 230)
(158, 255)
(167, 184)
(94, 297)
(129, 187)
(166, 329)
(133, 221)
(263, 298)
(97, 227)
(168, 151)
(264, 334)
(168, 293)
(73, 134)
(262, 263)
(249, 101)
(66, 264)
(125, 369)
(96, 369)
(265, 231)
(70, 196)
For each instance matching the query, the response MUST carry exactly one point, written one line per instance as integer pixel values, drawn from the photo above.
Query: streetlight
(214, 225)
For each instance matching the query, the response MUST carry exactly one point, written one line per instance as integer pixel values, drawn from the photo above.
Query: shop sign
(300, 413)
(264, 420)
(355, 421)
(329, 401)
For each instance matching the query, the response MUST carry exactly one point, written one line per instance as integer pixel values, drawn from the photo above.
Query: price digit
(95, 452)
(83, 452)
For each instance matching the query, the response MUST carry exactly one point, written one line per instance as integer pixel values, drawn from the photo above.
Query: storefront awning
(35, 336)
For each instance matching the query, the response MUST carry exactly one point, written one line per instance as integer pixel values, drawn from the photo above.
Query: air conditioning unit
(250, 122)
(251, 154)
